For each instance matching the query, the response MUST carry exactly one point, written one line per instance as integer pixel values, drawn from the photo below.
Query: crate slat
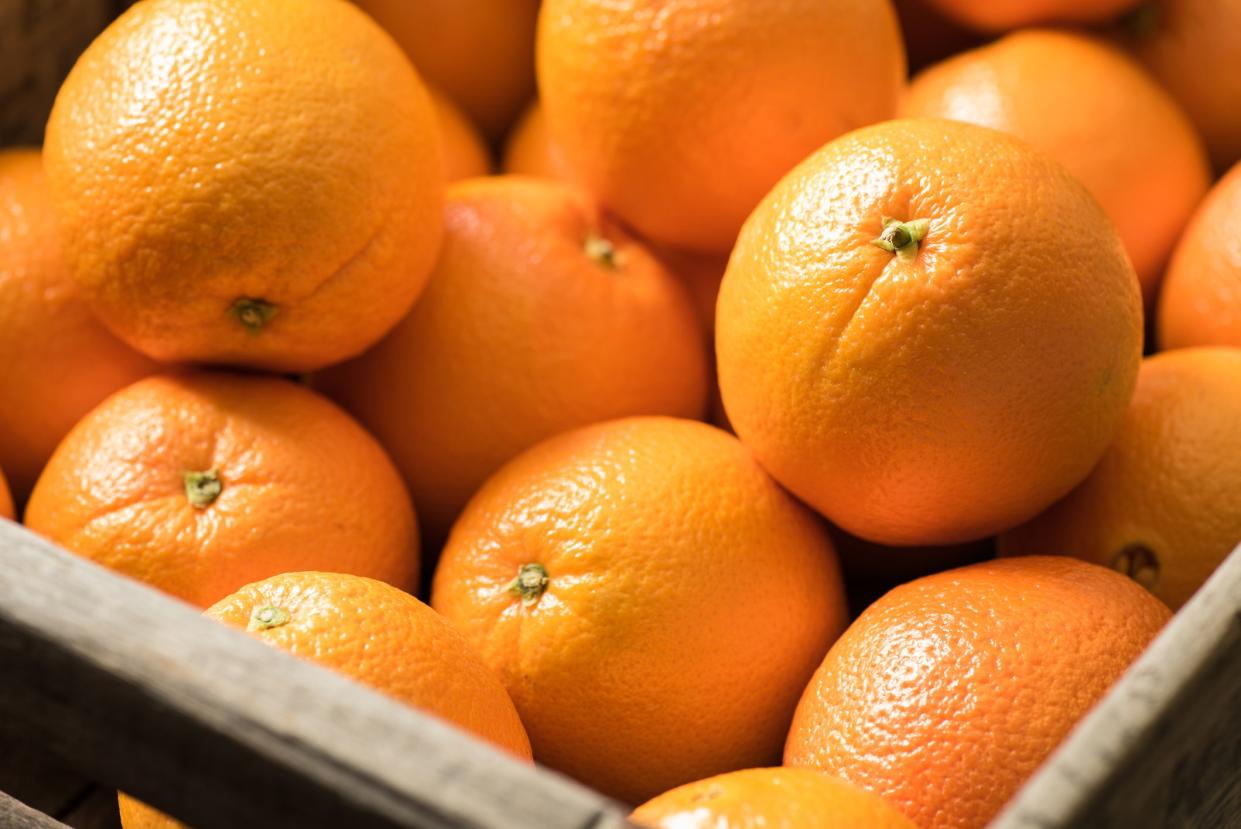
(1163, 749)
(17, 815)
(142, 693)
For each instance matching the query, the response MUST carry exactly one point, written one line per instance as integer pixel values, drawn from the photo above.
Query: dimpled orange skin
(58, 360)
(1002, 15)
(301, 486)
(204, 153)
(688, 600)
(529, 149)
(465, 152)
(679, 116)
(1192, 49)
(1170, 483)
(947, 693)
(1090, 107)
(377, 635)
(481, 52)
(945, 397)
(1200, 303)
(521, 335)
(776, 798)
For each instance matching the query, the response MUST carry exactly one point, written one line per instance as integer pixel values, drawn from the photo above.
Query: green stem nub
(602, 251)
(530, 583)
(902, 238)
(252, 313)
(267, 617)
(1138, 562)
(202, 488)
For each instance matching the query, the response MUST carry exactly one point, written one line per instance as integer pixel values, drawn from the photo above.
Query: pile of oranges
(747, 304)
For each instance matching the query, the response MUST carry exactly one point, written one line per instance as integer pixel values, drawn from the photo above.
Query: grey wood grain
(141, 693)
(17, 815)
(1163, 749)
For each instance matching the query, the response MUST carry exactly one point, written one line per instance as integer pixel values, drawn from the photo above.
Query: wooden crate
(107, 684)
(139, 692)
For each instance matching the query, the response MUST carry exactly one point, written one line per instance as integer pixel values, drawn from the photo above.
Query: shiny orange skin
(679, 115)
(529, 149)
(1170, 484)
(377, 635)
(1200, 303)
(481, 52)
(465, 152)
(1191, 46)
(206, 153)
(1090, 107)
(1001, 15)
(56, 360)
(944, 397)
(688, 600)
(301, 486)
(776, 798)
(6, 499)
(947, 693)
(521, 335)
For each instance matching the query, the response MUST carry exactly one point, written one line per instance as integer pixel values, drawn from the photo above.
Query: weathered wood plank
(142, 693)
(17, 815)
(1163, 749)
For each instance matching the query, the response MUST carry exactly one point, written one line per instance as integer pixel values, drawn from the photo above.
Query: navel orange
(481, 52)
(679, 115)
(1090, 107)
(928, 332)
(652, 600)
(1191, 46)
(769, 799)
(200, 483)
(1200, 303)
(58, 360)
(378, 635)
(541, 316)
(1164, 504)
(465, 152)
(530, 151)
(249, 183)
(951, 690)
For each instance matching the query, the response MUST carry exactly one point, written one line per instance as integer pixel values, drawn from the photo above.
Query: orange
(248, 183)
(926, 391)
(679, 115)
(6, 500)
(541, 316)
(1091, 108)
(1200, 303)
(701, 273)
(59, 362)
(1001, 15)
(769, 799)
(947, 693)
(200, 483)
(1164, 504)
(465, 153)
(1191, 46)
(652, 600)
(481, 52)
(530, 151)
(375, 634)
